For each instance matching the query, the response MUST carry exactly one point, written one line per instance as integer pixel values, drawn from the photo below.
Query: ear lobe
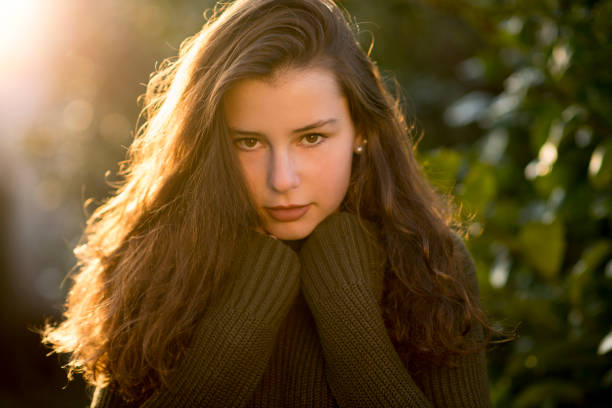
(359, 144)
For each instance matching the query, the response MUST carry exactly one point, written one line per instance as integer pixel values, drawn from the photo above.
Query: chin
(290, 232)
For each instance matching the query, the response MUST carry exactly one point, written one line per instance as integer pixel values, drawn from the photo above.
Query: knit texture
(364, 370)
(268, 344)
(296, 373)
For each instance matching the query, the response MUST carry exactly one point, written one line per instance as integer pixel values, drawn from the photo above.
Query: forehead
(290, 99)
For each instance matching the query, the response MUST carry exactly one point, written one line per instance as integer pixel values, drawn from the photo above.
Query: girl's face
(295, 141)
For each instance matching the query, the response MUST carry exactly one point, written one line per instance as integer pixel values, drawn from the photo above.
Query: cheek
(332, 175)
(254, 176)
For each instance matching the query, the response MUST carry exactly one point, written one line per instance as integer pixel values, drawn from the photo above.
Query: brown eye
(313, 139)
(247, 143)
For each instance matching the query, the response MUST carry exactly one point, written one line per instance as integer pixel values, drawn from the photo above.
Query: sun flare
(19, 23)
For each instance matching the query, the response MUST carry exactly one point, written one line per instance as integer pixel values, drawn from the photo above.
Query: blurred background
(512, 101)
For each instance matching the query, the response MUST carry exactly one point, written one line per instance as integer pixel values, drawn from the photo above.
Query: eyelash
(238, 142)
(320, 138)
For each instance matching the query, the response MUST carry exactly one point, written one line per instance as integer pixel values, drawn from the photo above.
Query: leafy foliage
(538, 185)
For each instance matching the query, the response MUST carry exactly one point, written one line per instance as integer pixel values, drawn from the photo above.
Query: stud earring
(359, 149)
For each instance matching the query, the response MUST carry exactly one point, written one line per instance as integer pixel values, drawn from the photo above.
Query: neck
(295, 244)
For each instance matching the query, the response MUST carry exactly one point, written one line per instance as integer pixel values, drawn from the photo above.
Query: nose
(283, 173)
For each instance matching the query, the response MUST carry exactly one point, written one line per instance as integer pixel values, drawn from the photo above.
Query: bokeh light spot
(77, 115)
(115, 128)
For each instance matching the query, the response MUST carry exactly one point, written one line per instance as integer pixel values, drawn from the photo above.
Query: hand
(348, 248)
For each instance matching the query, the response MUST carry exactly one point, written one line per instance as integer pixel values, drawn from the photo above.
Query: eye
(246, 143)
(313, 139)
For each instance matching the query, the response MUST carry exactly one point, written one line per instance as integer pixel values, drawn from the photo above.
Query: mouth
(287, 213)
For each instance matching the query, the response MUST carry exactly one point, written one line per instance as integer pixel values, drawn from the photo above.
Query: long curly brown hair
(153, 253)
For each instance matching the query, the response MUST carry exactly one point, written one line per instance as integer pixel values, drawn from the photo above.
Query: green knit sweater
(305, 329)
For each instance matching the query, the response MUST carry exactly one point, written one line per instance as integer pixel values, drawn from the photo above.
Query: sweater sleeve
(363, 368)
(233, 342)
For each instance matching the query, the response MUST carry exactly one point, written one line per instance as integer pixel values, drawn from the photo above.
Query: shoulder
(109, 397)
(466, 268)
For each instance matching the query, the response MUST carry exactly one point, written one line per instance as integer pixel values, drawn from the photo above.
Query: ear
(358, 140)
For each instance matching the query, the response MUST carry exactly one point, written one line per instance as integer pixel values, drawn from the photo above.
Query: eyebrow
(314, 125)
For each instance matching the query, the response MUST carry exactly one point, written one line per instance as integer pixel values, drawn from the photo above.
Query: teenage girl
(274, 242)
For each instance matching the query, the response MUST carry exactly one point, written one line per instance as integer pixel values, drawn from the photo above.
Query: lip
(288, 213)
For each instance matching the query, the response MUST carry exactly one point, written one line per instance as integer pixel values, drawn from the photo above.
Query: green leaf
(606, 381)
(441, 167)
(591, 258)
(599, 101)
(600, 166)
(543, 246)
(505, 214)
(478, 188)
(539, 128)
(605, 345)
